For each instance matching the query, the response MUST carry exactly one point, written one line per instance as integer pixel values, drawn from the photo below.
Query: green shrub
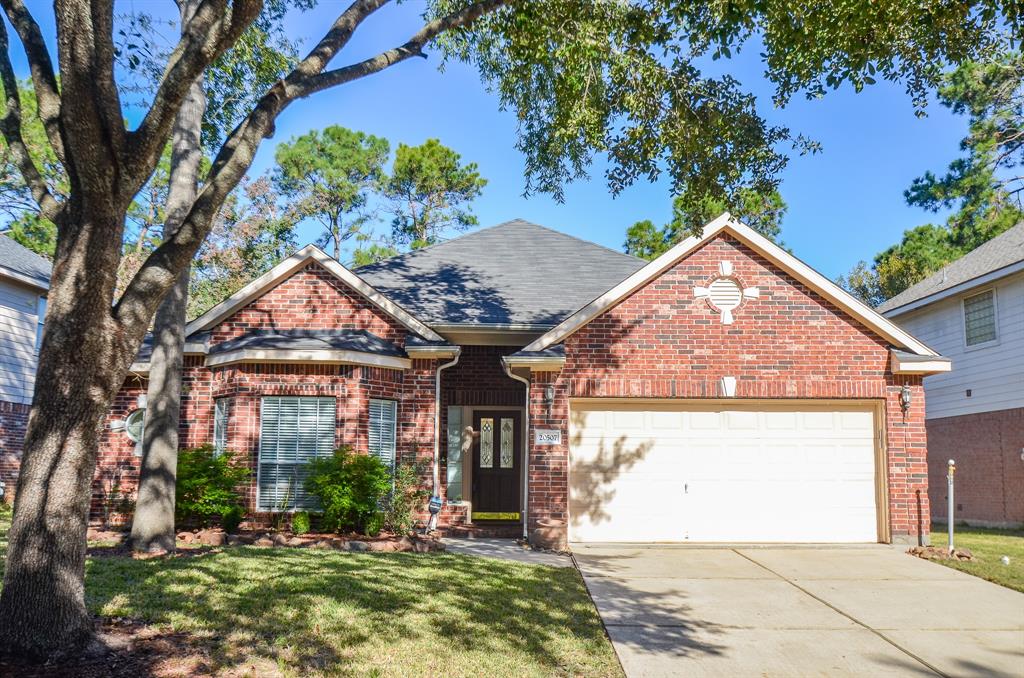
(405, 500)
(207, 487)
(232, 518)
(349, 487)
(300, 522)
(374, 524)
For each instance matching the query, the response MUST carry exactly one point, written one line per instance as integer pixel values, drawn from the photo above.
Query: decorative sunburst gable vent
(725, 293)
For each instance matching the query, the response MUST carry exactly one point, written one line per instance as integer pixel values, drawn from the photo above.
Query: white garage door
(676, 472)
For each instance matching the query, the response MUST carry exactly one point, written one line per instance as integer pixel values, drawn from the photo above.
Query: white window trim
(217, 426)
(259, 448)
(995, 319)
(394, 432)
(40, 321)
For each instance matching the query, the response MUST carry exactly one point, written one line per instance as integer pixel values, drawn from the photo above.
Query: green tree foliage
(349, 487)
(329, 175)
(983, 187)
(251, 235)
(23, 221)
(430, 190)
(762, 212)
(208, 486)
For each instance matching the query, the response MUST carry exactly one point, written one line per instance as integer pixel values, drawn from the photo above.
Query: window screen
(292, 431)
(383, 415)
(980, 318)
(220, 425)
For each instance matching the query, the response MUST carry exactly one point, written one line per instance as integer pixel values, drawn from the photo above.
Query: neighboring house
(972, 311)
(24, 279)
(723, 392)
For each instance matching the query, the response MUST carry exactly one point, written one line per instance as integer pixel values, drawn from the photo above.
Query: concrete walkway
(504, 549)
(823, 611)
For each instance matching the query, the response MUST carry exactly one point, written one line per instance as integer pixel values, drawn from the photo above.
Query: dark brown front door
(497, 459)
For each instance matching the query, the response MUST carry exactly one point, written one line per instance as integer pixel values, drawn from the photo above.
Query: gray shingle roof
(23, 262)
(1001, 251)
(349, 340)
(513, 273)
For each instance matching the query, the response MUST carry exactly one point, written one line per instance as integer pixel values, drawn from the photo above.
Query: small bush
(374, 524)
(300, 522)
(207, 487)
(232, 518)
(349, 487)
(405, 500)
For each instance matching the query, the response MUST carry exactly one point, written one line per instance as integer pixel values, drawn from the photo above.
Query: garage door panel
(741, 473)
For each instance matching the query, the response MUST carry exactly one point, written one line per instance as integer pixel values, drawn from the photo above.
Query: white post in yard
(949, 493)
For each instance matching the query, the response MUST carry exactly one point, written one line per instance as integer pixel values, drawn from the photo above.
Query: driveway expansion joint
(873, 630)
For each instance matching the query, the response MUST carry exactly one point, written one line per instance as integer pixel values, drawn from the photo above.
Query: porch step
(482, 530)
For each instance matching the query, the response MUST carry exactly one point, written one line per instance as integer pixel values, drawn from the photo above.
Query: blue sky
(845, 204)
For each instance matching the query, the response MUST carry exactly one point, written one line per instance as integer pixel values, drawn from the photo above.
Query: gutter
(526, 448)
(437, 431)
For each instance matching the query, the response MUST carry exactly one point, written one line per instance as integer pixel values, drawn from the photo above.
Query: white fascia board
(965, 286)
(322, 356)
(904, 364)
(23, 279)
(784, 260)
(430, 352)
(535, 364)
(286, 268)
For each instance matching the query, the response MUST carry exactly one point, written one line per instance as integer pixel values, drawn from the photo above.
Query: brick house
(722, 392)
(973, 312)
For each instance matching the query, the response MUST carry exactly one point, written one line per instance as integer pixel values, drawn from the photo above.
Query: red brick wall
(13, 423)
(989, 478)
(312, 298)
(661, 342)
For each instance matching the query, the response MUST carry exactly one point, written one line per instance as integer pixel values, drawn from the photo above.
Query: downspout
(437, 433)
(526, 449)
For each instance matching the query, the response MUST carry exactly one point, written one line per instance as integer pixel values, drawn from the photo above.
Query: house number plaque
(547, 436)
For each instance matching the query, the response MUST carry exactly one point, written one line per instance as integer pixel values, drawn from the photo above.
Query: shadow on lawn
(328, 612)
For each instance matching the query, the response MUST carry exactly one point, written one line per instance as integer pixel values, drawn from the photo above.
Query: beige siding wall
(994, 373)
(18, 321)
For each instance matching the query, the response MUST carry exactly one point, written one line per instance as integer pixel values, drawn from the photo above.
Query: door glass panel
(506, 442)
(486, 442)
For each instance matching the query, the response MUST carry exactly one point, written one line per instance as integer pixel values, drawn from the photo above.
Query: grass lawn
(988, 547)
(299, 612)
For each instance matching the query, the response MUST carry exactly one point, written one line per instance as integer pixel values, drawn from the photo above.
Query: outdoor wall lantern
(549, 394)
(905, 398)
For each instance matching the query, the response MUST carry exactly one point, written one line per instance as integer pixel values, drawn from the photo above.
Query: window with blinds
(293, 430)
(980, 318)
(383, 418)
(220, 425)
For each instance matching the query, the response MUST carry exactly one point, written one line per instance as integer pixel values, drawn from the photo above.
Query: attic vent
(725, 294)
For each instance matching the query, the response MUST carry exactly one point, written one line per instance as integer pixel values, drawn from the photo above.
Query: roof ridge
(582, 240)
(461, 236)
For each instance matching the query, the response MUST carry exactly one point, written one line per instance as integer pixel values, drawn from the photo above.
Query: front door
(497, 455)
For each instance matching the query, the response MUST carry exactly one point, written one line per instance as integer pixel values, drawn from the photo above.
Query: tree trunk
(82, 365)
(153, 522)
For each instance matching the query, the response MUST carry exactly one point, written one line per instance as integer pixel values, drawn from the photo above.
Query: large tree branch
(413, 47)
(10, 125)
(44, 78)
(213, 28)
(163, 265)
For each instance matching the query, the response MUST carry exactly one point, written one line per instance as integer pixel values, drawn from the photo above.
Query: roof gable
(999, 257)
(513, 274)
(772, 252)
(289, 267)
(24, 265)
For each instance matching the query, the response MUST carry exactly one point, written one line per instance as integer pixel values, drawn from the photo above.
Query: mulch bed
(109, 543)
(937, 553)
(123, 649)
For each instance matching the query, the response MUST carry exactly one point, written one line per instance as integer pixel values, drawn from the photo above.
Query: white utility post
(949, 493)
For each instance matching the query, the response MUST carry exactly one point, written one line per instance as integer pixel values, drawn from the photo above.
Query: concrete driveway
(865, 611)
